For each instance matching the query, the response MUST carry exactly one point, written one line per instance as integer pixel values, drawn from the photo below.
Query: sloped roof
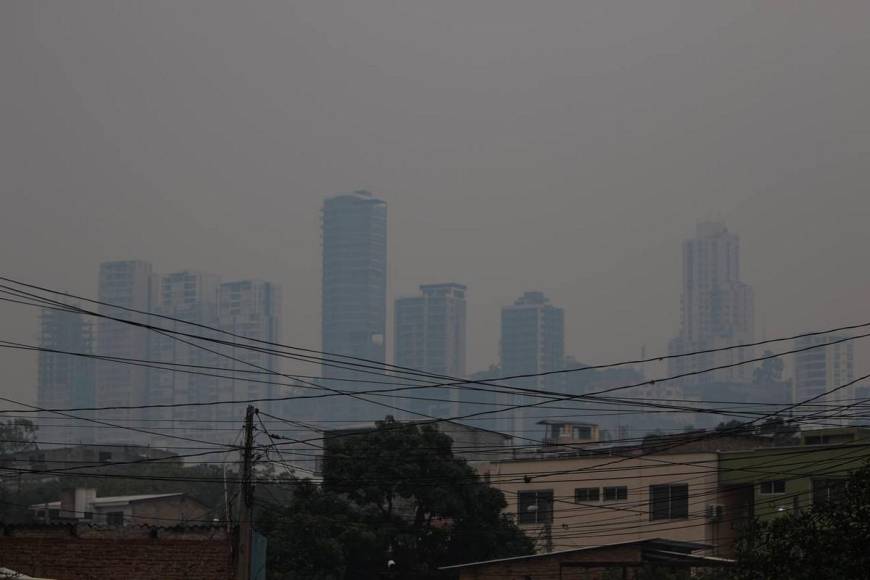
(659, 545)
(7, 573)
(109, 500)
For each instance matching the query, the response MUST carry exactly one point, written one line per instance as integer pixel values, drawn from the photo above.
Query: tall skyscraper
(354, 291)
(64, 381)
(821, 370)
(250, 309)
(717, 308)
(190, 297)
(126, 284)
(430, 336)
(532, 341)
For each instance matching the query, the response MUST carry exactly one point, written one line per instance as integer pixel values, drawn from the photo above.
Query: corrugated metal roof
(658, 542)
(12, 574)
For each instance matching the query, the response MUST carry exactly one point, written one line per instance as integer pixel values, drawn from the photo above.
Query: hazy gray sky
(566, 146)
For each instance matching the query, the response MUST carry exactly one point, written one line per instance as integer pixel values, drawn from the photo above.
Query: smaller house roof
(111, 500)
(7, 573)
(659, 545)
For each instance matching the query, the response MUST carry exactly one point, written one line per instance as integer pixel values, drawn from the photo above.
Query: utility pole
(246, 506)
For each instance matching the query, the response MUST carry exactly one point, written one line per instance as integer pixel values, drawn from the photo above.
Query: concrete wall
(593, 524)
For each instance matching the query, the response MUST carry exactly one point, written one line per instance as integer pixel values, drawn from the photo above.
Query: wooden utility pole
(246, 506)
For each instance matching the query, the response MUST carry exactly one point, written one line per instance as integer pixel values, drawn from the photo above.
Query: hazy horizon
(564, 147)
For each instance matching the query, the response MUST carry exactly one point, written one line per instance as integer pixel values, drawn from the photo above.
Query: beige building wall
(613, 517)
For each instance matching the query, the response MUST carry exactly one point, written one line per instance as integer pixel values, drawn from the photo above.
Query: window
(535, 507)
(115, 518)
(618, 493)
(88, 515)
(586, 494)
(53, 514)
(828, 490)
(582, 432)
(669, 501)
(105, 456)
(773, 486)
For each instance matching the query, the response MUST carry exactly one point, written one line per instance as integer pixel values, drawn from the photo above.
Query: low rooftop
(671, 553)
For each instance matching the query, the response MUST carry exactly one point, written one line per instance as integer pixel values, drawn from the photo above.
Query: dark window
(535, 507)
(88, 515)
(105, 456)
(618, 493)
(582, 432)
(586, 494)
(115, 518)
(669, 501)
(828, 490)
(772, 486)
(53, 514)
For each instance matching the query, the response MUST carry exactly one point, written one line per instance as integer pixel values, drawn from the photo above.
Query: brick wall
(141, 553)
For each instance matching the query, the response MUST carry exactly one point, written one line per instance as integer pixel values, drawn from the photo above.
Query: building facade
(354, 293)
(430, 336)
(251, 309)
(590, 500)
(64, 381)
(532, 342)
(824, 372)
(82, 504)
(717, 308)
(125, 284)
(190, 298)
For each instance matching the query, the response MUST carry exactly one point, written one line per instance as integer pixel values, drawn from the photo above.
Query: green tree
(829, 540)
(395, 494)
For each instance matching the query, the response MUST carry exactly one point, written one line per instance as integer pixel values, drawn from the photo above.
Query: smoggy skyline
(560, 146)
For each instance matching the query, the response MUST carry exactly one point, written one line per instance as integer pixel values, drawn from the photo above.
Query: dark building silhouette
(65, 381)
(354, 291)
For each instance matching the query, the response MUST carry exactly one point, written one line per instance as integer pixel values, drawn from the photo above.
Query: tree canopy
(395, 503)
(829, 540)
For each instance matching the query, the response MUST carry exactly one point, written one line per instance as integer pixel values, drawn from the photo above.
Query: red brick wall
(90, 554)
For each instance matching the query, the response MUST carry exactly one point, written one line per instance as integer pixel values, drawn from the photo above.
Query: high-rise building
(532, 342)
(430, 336)
(717, 308)
(822, 372)
(190, 298)
(126, 284)
(64, 380)
(354, 292)
(250, 309)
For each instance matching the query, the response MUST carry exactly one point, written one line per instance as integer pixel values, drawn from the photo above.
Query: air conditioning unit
(714, 511)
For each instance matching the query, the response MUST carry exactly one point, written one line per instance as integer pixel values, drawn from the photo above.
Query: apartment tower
(532, 342)
(354, 293)
(430, 336)
(125, 284)
(64, 381)
(716, 309)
